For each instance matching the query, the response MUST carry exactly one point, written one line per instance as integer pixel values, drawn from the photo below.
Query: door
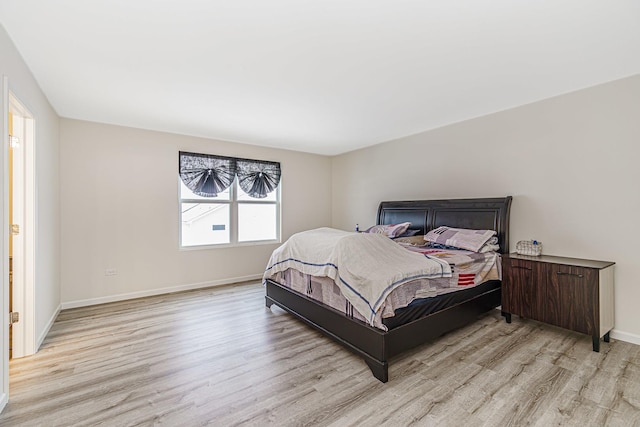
(573, 292)
(10, 177)
(519, 287)
(21, 224)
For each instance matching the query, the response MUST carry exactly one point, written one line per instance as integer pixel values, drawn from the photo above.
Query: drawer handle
(519, 266)
(560, 273)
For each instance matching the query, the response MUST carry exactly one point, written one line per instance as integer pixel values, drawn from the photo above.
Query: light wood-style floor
(219, 357)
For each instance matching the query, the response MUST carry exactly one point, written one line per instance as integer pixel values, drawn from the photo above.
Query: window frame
(233, 203)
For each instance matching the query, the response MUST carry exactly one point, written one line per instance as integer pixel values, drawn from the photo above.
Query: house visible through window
(226, 201)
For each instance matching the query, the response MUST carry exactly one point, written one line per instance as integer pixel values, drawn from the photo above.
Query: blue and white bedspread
(366, 267)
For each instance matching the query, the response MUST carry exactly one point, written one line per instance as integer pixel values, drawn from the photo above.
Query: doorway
(22, 228)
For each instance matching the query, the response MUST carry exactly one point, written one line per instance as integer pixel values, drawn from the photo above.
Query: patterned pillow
(389, 230)
(490, 246)
(471, 240)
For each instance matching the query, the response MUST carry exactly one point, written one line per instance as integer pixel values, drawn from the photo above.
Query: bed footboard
(376, 346)
(364, 340)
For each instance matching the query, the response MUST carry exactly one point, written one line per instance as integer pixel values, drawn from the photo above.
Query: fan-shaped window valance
(257, 178)
(207, 175)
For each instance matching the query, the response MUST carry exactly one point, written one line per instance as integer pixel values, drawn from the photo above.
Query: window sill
(230, 245)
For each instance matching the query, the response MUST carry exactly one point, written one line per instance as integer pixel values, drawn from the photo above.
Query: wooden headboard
(478, 214)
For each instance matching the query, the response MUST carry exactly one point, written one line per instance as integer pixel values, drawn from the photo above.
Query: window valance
(207, 175)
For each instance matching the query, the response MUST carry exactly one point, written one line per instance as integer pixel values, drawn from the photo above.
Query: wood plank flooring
(218, 356)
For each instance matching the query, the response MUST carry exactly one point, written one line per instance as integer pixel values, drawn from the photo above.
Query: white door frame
(28, 337)
(24, 341)
(4, 243)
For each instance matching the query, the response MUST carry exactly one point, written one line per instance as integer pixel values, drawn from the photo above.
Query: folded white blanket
(366, 267)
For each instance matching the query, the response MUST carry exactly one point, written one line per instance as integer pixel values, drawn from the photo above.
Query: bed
(378, 346)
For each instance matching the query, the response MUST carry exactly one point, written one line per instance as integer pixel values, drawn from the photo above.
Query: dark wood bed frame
(374, 345)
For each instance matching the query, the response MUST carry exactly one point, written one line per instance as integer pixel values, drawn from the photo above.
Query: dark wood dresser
(572, 293)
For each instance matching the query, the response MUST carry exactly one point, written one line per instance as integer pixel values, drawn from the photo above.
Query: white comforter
(366, 267)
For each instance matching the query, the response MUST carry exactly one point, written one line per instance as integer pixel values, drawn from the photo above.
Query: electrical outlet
(110, 272)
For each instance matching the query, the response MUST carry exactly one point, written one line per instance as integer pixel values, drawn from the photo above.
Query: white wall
(119, 197)
(571, 163)
(47, 280)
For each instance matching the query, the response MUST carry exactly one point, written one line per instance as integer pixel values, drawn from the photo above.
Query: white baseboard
(625, 336)
(160, 291)
(47, 328)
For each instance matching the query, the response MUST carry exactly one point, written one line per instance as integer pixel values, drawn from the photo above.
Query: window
(225, 201)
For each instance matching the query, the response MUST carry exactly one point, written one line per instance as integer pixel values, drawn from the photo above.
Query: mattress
(470, 270)
(422, 307)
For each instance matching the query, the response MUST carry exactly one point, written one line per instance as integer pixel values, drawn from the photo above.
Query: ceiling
(323, 76)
